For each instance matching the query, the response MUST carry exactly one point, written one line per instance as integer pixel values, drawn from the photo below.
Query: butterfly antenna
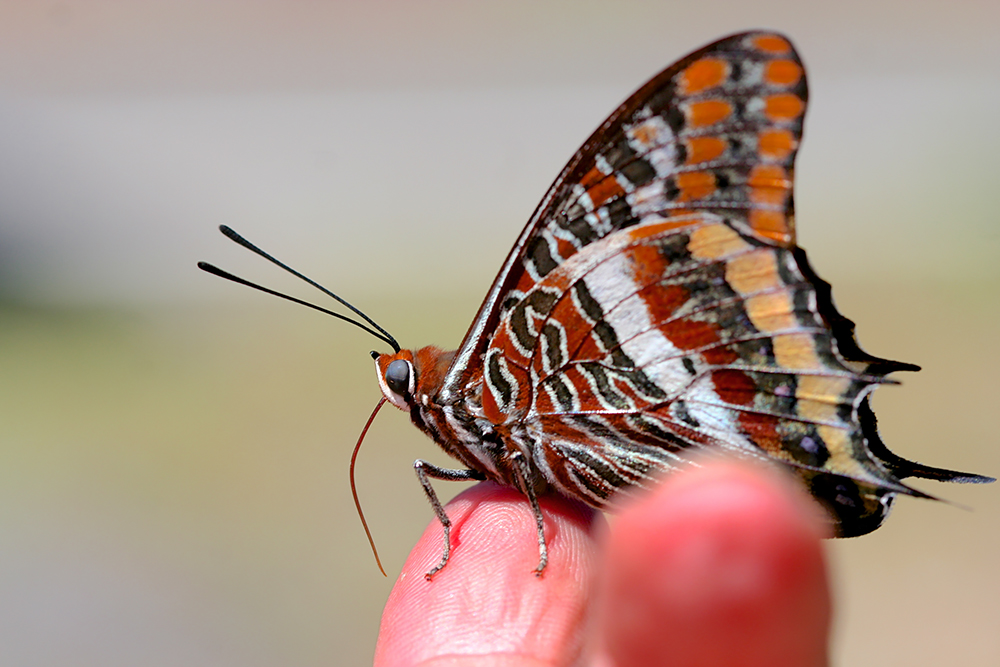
(374, 330)
(354, 488)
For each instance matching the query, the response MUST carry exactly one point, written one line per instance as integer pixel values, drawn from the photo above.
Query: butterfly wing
(682, 334)
(656, 302)
(717, 131)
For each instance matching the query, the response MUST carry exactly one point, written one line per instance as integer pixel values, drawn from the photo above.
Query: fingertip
(721, 565)
(487, 600)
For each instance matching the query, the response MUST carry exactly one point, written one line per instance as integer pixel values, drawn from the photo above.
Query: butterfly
(656, 306)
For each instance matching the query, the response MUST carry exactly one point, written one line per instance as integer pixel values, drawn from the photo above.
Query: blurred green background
(174, 449)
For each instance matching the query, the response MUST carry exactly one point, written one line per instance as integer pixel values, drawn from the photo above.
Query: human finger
(487, 607)
(721, 565)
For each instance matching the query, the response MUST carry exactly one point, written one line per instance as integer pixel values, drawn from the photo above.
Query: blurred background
(174, 449)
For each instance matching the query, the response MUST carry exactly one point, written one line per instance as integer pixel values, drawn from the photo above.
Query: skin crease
(720, 565)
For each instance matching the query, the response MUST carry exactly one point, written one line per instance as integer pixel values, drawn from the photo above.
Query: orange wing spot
(769, 175)
(490, 408)
(771, 312)
(842, 459)
(796, 351)
(716, 242)
(565, 248)
(776, 144)
(773, 225)
(784, 107)
(695, 185)
(819, 397)
(663, 300)
(689, 334)
(604, 190)
(763, 430)
(592, 177)
(703, 149)
(708, 112)
(719, 356)
(584, 391)
(525, 283)
(648, 264)
(782, 73)
(769, 184)
(701, 75)
(772, 44)
(752, 272)
(734, 387)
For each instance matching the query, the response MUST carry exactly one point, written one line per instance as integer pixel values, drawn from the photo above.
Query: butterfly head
(411, 377)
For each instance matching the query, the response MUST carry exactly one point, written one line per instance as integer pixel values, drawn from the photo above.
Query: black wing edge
(841, 327)
(851, 520)
(902, 468)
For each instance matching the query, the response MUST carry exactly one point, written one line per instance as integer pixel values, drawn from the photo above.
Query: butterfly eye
(397, 377)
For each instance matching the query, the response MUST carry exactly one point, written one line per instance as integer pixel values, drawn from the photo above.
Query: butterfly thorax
(459, 425)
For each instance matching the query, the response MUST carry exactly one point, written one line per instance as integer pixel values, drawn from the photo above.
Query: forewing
(715, 132)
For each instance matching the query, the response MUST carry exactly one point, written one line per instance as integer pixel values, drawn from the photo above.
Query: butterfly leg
(529, 490)
(425, 472)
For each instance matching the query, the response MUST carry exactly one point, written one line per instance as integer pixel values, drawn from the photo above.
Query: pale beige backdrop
(174, 449)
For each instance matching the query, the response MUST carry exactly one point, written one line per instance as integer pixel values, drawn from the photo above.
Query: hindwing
(688, 333)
